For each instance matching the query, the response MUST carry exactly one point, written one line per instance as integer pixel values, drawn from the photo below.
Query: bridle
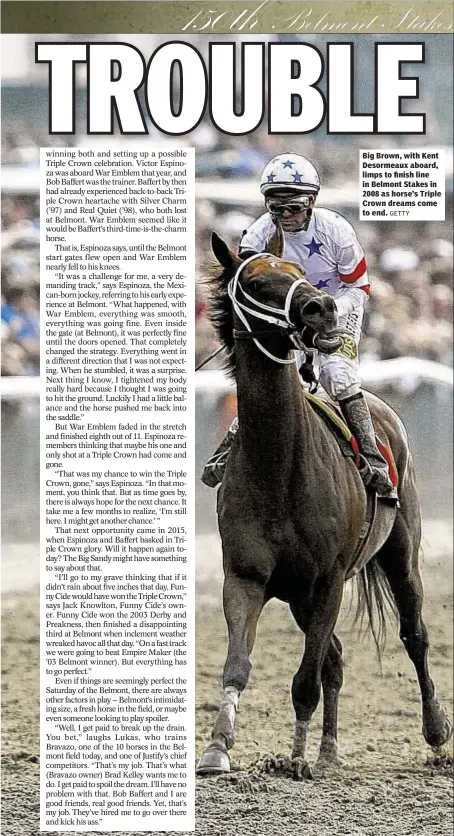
(273, 316)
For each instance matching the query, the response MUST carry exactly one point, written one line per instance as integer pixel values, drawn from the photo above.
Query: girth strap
(371, 511)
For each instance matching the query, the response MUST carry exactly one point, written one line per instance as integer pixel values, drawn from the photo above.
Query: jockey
(326, 246)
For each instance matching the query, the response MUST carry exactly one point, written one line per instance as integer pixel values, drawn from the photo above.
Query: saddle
(332, 416)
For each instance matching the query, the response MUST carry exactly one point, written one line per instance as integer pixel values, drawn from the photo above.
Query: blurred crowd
(410, 264)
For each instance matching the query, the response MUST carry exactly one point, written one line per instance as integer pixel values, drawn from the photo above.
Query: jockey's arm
(245, 252)
(352, 272)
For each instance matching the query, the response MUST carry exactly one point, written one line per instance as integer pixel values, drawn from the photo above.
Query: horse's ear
(223, 253)
(275, 244)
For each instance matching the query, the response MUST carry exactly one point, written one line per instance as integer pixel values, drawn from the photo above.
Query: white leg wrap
(229, 704)
(300, 738)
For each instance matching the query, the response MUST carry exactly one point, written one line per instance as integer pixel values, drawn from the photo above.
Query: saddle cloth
(332, 416)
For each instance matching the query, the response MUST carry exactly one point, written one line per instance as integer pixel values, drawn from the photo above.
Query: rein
(210, 357)
(273, 316)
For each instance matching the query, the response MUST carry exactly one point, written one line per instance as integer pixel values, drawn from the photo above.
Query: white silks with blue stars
(328, 250)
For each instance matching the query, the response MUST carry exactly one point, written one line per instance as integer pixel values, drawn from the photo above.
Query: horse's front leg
(306, 686)
(243, 603)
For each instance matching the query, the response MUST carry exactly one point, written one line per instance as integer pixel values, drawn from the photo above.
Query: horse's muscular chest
(279, 541)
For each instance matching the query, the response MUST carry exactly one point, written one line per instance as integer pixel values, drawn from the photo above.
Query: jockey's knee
(349, 392)
(340, 380)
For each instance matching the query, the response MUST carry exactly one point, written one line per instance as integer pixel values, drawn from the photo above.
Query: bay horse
(291, 508)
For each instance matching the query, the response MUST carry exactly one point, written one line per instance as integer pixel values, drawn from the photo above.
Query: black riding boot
(375, 472)
(213, 472)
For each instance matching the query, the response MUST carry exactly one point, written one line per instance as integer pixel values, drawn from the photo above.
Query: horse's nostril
(312, 308)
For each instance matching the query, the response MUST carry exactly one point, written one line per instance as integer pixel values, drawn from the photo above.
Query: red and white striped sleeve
(352, 267)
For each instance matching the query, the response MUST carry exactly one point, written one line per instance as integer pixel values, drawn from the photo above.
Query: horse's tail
(376, 601)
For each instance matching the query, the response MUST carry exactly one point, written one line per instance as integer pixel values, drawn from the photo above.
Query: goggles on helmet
(293, 207)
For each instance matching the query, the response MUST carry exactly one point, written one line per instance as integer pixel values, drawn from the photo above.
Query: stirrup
(373, 479)
(390, 494)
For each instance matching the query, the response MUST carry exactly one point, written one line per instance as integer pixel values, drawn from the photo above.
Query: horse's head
(267, 291)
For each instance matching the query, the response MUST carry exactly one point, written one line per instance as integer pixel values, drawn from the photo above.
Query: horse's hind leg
(332, 678)
(243, 603)
(400, 561)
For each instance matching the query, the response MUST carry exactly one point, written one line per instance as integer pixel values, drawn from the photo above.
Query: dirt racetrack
(390, 783)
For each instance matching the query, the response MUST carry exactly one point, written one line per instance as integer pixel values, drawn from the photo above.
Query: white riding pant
(339, 372)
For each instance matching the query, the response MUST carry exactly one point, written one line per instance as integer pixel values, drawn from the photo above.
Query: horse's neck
(273, 417)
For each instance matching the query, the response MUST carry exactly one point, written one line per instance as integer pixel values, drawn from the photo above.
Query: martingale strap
(273, 316)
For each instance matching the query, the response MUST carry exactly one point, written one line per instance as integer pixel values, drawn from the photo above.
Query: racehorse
(291, 508)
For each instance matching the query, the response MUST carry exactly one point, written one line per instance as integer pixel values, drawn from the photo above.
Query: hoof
(328, 757)
(301, 770)
(214, 761)
(282, 766)
(436, 727)
(438, 738)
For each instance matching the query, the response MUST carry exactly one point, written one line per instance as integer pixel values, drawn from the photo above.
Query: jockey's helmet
(290, 173)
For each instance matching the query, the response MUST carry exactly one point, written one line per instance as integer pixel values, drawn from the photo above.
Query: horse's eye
(254, 285)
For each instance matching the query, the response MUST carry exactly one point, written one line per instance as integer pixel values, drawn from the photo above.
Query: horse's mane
(220, 312)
